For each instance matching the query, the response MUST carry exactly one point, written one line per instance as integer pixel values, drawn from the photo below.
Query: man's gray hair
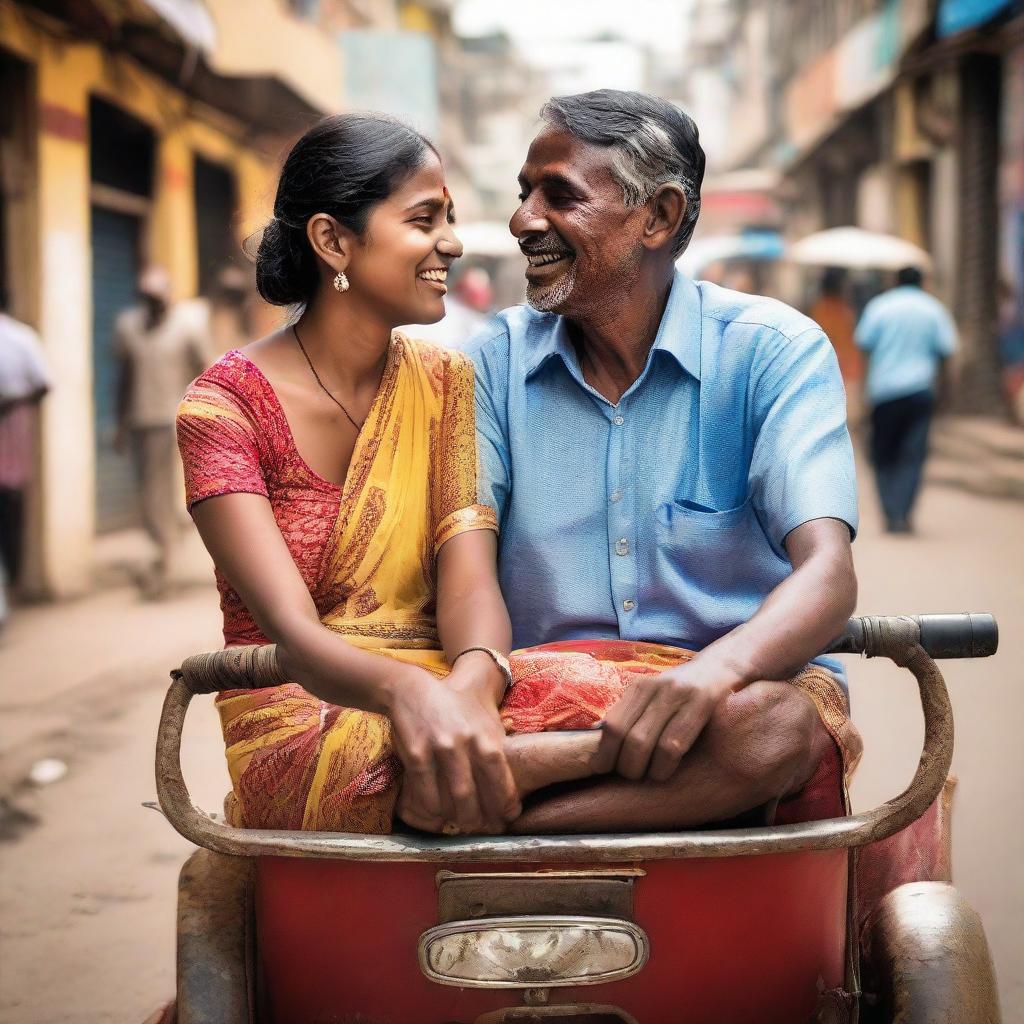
(653, 143)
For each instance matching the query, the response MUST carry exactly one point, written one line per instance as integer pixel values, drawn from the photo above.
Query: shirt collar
(678, 333)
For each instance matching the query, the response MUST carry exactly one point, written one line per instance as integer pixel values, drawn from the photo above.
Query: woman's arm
(470, 609)
(435, 726)
(471, 613)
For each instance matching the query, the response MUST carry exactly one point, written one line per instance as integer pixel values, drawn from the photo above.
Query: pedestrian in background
(1011, 350)
(908, 335)
(833, 312)
(161, 347)
(23, 383)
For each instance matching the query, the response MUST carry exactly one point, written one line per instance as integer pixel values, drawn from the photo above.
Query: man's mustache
(545, 247)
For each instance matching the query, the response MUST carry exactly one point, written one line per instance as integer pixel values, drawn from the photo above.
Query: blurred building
(135, 131)
(899, 116)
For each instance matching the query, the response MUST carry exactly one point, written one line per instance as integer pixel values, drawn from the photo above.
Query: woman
(331, 471)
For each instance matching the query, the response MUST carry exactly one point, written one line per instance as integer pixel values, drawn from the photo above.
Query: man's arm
(802, 485)
(660, 717)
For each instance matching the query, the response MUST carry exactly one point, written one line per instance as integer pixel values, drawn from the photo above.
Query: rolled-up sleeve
(802, 466)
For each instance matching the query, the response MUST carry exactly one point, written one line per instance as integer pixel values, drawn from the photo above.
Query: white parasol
(856, 249)
(487, 238)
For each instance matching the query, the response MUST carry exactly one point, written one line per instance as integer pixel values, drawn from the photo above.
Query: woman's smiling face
(400, 262)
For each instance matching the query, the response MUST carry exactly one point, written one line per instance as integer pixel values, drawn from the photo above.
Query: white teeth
(434, 275)
(544, 259)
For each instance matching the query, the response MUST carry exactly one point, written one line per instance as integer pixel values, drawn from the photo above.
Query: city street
(87, 874)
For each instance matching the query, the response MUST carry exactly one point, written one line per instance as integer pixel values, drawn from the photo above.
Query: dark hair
(909, 275)
(653, 143)
(832, 281)
(343, 166)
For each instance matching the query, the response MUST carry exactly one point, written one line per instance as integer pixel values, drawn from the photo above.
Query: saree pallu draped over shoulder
(297, 762)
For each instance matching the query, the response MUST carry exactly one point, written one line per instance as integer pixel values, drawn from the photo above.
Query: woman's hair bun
(343, 166)
(285, 271)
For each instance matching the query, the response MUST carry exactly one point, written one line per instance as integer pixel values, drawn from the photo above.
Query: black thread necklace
(323, 387)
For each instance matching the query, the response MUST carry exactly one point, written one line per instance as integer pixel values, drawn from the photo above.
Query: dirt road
(87, 875)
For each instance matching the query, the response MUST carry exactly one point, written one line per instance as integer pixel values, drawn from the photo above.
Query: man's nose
(529, 219)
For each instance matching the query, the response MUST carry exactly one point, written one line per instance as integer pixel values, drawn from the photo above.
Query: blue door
(115, 269)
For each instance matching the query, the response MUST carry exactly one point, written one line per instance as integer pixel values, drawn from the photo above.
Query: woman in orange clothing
(833, 313)
(331, 471)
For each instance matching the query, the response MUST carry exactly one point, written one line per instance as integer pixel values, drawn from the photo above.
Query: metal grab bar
(895, 637)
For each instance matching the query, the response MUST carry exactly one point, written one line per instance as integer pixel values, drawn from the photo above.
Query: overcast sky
(657, 23)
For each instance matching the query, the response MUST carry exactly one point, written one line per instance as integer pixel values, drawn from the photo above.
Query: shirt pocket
(715, 557)
(681, 522)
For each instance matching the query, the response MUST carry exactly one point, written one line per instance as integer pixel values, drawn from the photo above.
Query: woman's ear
(667, 211)
(331, 241)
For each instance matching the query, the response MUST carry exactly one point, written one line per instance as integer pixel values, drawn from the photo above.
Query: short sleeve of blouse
(457, 507)
(218, 442)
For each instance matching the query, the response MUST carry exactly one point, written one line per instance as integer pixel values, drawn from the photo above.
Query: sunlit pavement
(87, 875)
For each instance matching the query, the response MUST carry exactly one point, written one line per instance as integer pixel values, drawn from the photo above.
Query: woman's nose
(449, 245)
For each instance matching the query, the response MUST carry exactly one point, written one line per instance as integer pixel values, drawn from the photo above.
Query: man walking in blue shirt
(908, 336)
(669, 462)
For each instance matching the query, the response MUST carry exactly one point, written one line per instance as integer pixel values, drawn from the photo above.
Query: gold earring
(341, 281)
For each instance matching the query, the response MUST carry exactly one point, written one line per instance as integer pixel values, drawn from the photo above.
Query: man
(669, 462)
(908, 336)
(160, 348)
(23, 383)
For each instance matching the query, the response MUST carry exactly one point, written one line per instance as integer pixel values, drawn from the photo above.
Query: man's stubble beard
(550, 299)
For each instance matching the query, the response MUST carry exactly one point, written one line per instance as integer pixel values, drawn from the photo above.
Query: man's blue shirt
(906, 333)
(663, 517)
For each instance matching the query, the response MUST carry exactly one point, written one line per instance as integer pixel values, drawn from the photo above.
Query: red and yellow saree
(366, 551)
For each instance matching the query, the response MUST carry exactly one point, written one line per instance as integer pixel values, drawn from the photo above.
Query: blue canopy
(958, 15)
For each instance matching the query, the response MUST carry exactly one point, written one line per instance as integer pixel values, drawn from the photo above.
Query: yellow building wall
(67, 75)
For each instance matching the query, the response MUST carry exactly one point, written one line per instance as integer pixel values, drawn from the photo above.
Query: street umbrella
(855, 249)
(487, 238)
(764, 245)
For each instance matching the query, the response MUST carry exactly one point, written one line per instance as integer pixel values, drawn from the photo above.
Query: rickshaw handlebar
(908, 642)
(951, 635)
(958, 635)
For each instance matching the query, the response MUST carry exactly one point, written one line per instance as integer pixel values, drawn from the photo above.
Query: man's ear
(330, 240)
(667, 210)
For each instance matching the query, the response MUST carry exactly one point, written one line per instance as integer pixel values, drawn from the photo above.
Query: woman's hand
(452, 744)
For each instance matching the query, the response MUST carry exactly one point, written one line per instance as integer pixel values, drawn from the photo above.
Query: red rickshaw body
(747, 939)
(753, 925)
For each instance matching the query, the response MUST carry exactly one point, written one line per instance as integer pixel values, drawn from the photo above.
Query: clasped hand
(651, 727)
(451, 742)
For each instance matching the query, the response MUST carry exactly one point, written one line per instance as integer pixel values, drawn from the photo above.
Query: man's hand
(656, 721)
(452, 744)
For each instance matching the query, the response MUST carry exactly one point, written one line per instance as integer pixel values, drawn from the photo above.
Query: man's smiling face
(582, 243)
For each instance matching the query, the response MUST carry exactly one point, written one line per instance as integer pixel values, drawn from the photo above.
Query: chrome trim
(536, 923)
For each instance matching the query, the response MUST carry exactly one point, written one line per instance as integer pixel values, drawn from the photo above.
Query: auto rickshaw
(715, 926)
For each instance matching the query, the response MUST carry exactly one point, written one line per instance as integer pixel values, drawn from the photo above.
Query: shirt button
(618, 421)
(615, 496)
(622, 546)
(628, 605)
